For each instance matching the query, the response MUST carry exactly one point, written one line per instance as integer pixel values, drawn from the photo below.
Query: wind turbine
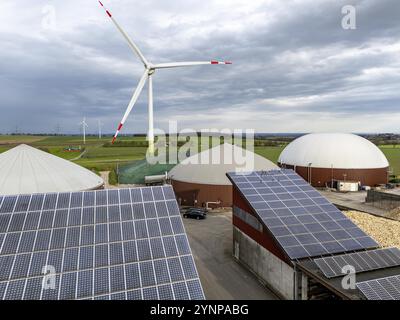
(84, 126)
(148, 75)
(100, 124)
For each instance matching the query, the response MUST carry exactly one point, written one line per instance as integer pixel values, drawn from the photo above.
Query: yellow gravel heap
(386, 232)
(395, 214)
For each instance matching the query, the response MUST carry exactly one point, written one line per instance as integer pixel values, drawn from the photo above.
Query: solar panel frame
(387, 288)
(285, 202)
(92, 238)
(364, 261)
(36, 203)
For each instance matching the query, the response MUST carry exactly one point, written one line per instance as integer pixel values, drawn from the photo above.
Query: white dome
(211, 166)
(340, 150)
(25, 170)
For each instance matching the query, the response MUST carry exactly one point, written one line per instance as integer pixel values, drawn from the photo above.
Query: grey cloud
(303, 52)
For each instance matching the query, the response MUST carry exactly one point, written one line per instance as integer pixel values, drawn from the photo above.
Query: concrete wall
(271, 270)
(383, 200)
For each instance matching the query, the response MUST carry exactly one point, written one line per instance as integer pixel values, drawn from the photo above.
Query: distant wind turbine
(100, 124)
(147, 75)
(58, 129)
(84, 126)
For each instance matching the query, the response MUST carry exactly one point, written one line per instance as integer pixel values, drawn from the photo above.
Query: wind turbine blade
(188, 64)
(135, 96)
(132, 45)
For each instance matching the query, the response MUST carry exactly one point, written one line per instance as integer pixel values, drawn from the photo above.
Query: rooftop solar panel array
(361, 261)
(304, 223)
(381, 289)
(107, 244)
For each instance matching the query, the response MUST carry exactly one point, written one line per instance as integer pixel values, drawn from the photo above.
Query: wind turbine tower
(84, 126)
(100, 124)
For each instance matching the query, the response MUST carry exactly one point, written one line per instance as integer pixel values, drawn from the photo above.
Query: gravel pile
(386, 232)
(395, 214)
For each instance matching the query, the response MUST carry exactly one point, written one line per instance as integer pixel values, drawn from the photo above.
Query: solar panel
(108, 244)
(361, 261)
(304, 223)
(381, 289)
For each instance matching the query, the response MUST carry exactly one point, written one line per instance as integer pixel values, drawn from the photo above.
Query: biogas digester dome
(322, 158)
(26, 170)
(201, 178)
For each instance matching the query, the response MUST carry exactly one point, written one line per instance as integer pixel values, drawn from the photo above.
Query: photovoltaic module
(106, 244)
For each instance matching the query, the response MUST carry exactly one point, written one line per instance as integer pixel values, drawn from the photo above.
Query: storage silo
(201, 179)
(323, 158)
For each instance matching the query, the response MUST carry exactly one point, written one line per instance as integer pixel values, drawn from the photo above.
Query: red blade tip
(108, 12)
(219, 62)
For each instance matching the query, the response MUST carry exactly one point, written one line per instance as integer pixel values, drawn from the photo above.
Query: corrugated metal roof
(25, 169)
(211, 166)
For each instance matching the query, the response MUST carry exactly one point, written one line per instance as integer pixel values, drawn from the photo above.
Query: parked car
(195, 213)
(200, 210)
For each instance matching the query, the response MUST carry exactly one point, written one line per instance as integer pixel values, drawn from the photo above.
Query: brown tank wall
(188, 192)
(322, 176)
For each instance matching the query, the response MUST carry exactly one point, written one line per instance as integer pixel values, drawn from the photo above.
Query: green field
(271, 153)
(19, 139)
(98, 157)
(94, 157)
(392, 153)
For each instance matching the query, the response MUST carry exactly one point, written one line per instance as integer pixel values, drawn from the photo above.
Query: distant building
(25, 170)
(201, 179)
(324, 158)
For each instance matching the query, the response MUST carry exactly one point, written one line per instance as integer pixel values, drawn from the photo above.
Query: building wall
(275, 273)
(320, 177)
(256, 248)
(187, 194)
(264, 238)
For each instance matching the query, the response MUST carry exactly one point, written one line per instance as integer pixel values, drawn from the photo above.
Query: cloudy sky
(295, 68)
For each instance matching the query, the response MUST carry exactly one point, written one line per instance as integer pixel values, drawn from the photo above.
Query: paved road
(222, 277)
